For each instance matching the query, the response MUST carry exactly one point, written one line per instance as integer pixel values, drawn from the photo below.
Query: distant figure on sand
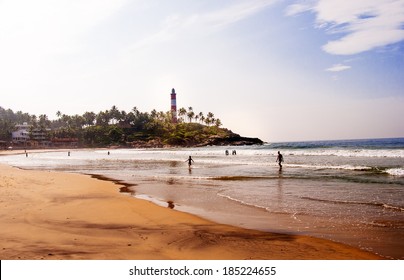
(226, 152)
(68, 154)
(190, 160)
(279, 159)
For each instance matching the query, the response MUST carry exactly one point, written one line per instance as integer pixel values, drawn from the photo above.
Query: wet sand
(56, 215)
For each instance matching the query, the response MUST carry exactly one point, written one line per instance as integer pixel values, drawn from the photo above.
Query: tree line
(114, 126)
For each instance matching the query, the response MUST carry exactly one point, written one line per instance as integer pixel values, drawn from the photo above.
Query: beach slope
(54, 215)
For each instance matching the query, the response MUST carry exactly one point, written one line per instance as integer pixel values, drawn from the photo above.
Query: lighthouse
(174, 106)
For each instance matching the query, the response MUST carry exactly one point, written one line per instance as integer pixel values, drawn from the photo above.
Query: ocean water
(346, 191)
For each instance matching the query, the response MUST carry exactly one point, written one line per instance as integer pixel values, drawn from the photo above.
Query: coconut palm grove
(114, 127)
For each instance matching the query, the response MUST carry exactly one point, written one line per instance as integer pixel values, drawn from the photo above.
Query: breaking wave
(375, 204)
(399, 172)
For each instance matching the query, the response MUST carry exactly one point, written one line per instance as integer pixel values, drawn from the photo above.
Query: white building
(24, 134)
(21, 134)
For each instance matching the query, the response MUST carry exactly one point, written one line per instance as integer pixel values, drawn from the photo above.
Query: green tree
(218, 123)
(190, 114)
(103, 118)
(115, 135)
(209, 118)
(43, 122)
(182, 112)
(115, 115)
(89, 118)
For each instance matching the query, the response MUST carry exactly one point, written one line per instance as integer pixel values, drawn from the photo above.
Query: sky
(274, 69)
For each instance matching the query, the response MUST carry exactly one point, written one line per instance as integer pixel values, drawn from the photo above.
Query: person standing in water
(279, 159)
(190, 160)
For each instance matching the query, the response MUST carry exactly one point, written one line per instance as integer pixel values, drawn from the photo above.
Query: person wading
(279, 159)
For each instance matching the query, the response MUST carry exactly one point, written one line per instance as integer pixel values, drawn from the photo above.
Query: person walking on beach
(279, 159)
(190, 160)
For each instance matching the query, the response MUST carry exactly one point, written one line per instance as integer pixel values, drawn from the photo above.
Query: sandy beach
(54, 215)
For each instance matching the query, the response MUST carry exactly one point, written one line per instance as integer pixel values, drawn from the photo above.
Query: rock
(235, 140)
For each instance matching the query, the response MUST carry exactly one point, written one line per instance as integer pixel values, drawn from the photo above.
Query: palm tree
(209, 118)
(65, 119)
(135, 111)
(115, 114)
(122, 115)
(153, 114)
(21, 117)
(182, 112)
(34, 120)
(190, 114)
(201, 117)
(43, 121)
(89, 118)
(102, 118)
(77, 122)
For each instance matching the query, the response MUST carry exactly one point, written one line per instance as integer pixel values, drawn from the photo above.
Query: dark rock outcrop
(234, 140)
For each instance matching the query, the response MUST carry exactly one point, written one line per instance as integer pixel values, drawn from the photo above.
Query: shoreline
(59, 215)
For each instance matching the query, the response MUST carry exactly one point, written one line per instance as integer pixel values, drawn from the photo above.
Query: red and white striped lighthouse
(174, 106)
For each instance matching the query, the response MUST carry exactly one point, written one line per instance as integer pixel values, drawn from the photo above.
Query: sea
(348, 191)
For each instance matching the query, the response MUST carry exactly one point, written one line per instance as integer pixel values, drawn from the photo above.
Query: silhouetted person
(279, 159)
(190, 160)
(226, 152)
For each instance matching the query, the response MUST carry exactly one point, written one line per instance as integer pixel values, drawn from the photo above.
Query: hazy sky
(278, 70)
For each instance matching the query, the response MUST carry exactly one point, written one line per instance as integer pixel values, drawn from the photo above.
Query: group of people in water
(234, 152)
(279, 158)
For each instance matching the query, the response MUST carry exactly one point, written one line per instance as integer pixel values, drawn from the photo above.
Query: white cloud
(235, 13)
(363, 24)
(338, 68)
(175, 25)
(297, 8)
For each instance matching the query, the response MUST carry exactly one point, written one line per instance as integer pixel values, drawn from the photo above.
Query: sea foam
(396, 172)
